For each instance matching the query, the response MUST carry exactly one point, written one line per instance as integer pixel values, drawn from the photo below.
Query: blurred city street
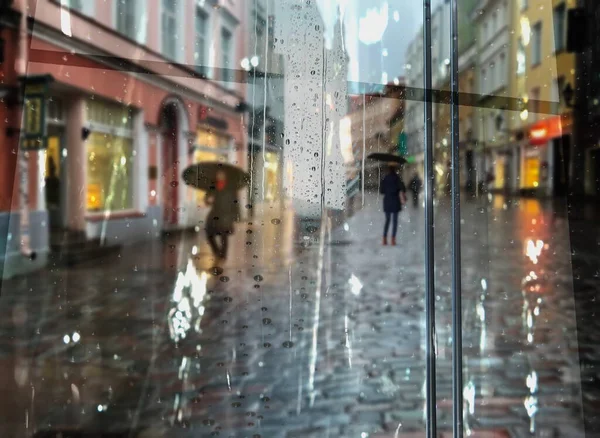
(308, 330)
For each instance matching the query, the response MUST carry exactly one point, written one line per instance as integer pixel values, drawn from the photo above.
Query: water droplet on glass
(275, 221)
(228, 299)
(224, 279)
(267, 345)
(258, 278)
(288, 344)
(216, 271)
(174, 183)
(266, 321)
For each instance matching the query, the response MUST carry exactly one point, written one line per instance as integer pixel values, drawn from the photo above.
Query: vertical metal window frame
(456, 287)
(430, 384)
(457, 378)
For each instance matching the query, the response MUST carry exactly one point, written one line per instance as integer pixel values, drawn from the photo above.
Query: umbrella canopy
(387, 157)
(203, 176)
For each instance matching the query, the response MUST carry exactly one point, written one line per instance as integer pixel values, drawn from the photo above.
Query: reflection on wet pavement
(298, 335)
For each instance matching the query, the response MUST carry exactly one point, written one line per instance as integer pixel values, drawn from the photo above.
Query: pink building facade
(139, 90)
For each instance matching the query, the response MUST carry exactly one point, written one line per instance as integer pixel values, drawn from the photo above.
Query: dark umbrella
(203, 176)
(387, 157)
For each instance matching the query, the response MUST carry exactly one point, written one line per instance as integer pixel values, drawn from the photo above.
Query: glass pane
(520, 329)
(184, 255)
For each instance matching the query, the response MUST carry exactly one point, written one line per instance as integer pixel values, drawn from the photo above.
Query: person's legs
(212, 242)
(394, 227)
(224, 245)
(386, 227)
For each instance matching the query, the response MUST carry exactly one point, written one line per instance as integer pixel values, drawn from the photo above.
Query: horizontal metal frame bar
(165, 69)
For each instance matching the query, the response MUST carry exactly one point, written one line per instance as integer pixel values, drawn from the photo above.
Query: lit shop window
(109, 173)
(211, 147)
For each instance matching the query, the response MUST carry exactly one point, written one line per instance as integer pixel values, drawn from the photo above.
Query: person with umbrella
(393, 190)
(221, 181)
(394, 195)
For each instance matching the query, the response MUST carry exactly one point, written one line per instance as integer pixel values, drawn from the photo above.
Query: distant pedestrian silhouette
(415, 187)
(394, 195)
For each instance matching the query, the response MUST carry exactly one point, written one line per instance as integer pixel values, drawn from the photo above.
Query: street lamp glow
(245, 64)
(254, 61)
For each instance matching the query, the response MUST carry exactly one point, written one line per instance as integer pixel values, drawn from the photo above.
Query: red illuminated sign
(545, 130)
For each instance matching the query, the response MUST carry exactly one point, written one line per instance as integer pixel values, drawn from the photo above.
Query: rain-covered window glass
(126, 17)
(201, 46)
(536, 44)
(560, 21)
(169, 30)
(280, 218)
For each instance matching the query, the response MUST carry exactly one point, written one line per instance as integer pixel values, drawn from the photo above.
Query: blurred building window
(73, 4)
(536, 44)
(502, 67)
(200, 54)
(169, 28)
(483, 86)
(535, 102)
(493, 82)
(560, 17)
(227, 55)
(524, 4)
(126, 18)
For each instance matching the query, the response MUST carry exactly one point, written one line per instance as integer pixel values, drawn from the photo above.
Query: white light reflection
(65, 19)
(469, 396)
(188, 295)
(355, 285)
(348, 345)
(372, 26)
(533, 250)
(531, 401)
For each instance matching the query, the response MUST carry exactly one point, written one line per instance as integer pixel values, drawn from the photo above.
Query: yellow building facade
(543, 69)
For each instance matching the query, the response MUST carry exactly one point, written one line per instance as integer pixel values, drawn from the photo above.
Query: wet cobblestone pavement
(308, 331)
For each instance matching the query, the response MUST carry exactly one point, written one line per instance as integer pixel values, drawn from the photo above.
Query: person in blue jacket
(394, 195)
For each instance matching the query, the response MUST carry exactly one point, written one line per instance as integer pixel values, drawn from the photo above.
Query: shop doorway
(562, 158)
(170, 174)
(54, 177)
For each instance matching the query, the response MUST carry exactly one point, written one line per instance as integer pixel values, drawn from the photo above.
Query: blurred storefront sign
(545, 130)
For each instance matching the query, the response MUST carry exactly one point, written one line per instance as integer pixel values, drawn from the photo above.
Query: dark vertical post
(431, 429)
(457, 376)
